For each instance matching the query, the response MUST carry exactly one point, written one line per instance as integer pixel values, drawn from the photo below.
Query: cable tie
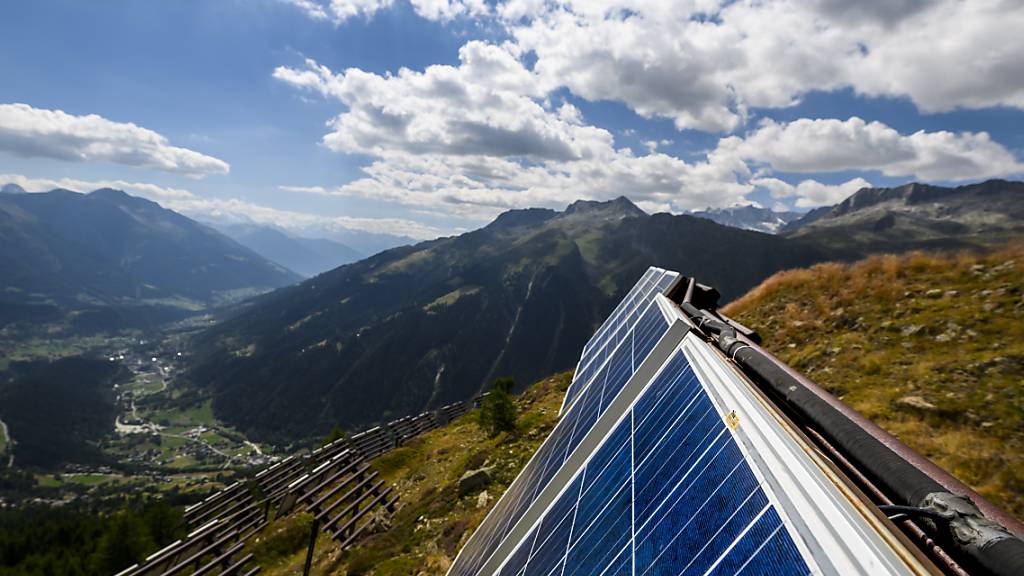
(738, 348)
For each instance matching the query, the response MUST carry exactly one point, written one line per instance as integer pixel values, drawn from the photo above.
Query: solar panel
(614, 330)
(568, 434)
(666, 461)
(619, 308)
(668, 492)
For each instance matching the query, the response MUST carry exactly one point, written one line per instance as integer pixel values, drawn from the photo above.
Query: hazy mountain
(749, 218)
(367, 243)
(305, 256)
(423, 325)
(918, 216)
(12, 188)
(92, 253)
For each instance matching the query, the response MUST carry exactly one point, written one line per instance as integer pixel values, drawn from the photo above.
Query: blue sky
(503, 105)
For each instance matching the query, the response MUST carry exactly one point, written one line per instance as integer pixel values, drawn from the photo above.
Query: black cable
(894, 511)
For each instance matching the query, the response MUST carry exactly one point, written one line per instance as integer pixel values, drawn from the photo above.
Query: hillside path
(10, 443)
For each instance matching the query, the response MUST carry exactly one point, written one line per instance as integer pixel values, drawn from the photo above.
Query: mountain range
(363, 242)
(12, 188)
(420, 326)
(304, 256)
(750, 217)
(107, 259)
(417, 326)
(917, 216)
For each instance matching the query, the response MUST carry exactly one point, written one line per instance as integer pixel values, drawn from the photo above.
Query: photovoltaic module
(666, 460)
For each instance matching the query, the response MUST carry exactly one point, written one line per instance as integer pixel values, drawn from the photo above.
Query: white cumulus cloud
(704, 63)
(832, 145)
(481, 137)
(339, 11)
(35, 132)
(810, 193)
(494, 131)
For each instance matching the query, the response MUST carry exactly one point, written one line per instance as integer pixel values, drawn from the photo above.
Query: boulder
(916, 403)
(483, 499)
(474, 480)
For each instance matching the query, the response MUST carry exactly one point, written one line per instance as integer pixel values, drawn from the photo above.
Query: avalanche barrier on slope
(334, 483)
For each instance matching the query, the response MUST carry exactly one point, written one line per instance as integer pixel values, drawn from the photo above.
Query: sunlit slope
(929, 346)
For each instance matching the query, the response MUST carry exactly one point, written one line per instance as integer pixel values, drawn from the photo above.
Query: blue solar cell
(650, 278)
(764, 549)
(563, 440)
(611, 330)
(517, 561)
(605, 482)
(668, 491)
(603, 516)
(615, 330)
(679, 455)
(550, 548)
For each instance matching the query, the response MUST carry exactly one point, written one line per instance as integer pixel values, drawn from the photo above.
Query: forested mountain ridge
(65, 251)
(418, 326)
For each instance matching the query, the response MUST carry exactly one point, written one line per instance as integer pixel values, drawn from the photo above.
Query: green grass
(183, 462)
(169, 445)
(176, 302)
(947, 329)
(145, 384)
(451, 297)
(91, 479)
(46, 345)
(179, 419)
(47, 481)
(214, 439)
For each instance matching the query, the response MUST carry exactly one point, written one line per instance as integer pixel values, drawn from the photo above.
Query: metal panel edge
(651, 365)
(832, 530)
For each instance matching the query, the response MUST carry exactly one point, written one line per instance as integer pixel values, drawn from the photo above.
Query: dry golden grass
(945, 327)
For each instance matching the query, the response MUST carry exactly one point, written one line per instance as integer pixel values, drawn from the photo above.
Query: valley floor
(164, 438)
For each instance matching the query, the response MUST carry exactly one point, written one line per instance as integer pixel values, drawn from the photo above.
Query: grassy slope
(928, 346)
(433, 522)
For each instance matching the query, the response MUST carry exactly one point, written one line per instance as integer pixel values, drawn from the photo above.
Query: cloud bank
(485, 135)
(29, 132)
(231, 210)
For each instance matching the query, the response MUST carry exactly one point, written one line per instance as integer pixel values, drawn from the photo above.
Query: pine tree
(498, 410)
